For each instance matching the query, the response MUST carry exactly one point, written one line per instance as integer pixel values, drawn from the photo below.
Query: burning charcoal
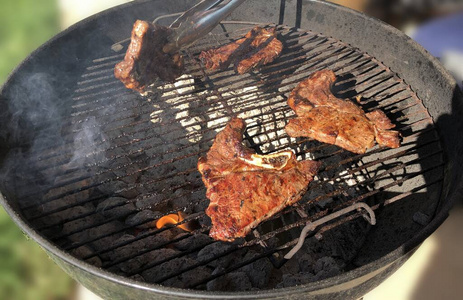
(140, 157)
(169, 267)
(326, 267)
(115, 207)
(345, 241)
(134, 264)
(153, 147)
(126, 250)
(191, 242)
(84, 251)
(72, 198)
(105, 234)
(215, 250)
(76, 211)
(190, 277)
(120, 188)
(126, 170)
(292, 265)
(186, 163)
(126, 191)
(421, 218)
(258, 271)
(234, 281)
(156, 169)
(141, 189)
(78, 224)
(174, 282)
(138, 277)
(201, 207)
(160, 238)
(306, 262)
(153, 200)
(182, 199)
(205, 221)
(194, 177)
(113, 152)
(289, 280)
(176, 182)
(143, 219)
(66, 178)
(130, 265)
(51, 220)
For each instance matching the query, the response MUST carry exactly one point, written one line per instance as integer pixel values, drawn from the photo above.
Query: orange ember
(173, 219)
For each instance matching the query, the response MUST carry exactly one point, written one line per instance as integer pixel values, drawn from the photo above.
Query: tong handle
(199, 21)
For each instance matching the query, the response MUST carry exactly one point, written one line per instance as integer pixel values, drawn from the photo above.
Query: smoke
(43, 135)
(42, 138)
(89, 144)
(32, 104)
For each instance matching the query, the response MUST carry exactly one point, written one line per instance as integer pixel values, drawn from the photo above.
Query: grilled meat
(245, 188)
(145, 61)
(259, 47)
(322, 116)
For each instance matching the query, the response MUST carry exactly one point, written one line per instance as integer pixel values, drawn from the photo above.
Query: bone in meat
(245, 188)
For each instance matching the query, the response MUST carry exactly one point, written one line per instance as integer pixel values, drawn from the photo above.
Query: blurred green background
(26, 272)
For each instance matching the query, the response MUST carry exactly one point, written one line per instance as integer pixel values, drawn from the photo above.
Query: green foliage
(26, 272)
(24, 25)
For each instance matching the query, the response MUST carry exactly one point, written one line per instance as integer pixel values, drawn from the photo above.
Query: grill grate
(124, 155)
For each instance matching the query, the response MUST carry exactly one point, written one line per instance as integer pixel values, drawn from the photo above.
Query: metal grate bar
(194, 117)
(351, 172)
(269, 81)
(66, 207)
(150, 136)
(266, 253)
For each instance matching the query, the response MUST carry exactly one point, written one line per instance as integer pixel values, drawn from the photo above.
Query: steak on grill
(245, 188)
(322, 116)
(258, 47)
(145, 61)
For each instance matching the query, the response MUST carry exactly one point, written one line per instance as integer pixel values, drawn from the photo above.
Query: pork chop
(326, 118)
(259, 46)
(145, 61)
(246, 188)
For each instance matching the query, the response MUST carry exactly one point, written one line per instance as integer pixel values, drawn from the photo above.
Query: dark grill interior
(125, 160)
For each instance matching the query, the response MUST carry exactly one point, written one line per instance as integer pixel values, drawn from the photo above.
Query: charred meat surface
(145, 61)
(245, 188)
(322, 116)
(259, 46)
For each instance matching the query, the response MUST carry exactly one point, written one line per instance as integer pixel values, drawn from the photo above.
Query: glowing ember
(173, 219)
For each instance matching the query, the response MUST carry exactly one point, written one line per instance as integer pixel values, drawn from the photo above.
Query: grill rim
(402, 252)
(324, 286)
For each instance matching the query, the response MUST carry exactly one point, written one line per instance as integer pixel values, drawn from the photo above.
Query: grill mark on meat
(324, 117)
(221, 58)
(259, 47)
(254, 57)
(145, 61)
(245, 188)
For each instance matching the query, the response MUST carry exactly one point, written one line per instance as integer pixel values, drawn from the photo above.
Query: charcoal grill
(89, 166)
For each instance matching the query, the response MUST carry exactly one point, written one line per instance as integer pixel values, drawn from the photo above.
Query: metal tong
(197, 22)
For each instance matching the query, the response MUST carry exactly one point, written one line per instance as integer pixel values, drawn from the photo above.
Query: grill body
(423, 73)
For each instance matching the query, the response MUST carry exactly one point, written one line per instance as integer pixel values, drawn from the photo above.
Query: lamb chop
(246, 188)
(322, 116)
(258, 47)
(145, 60)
